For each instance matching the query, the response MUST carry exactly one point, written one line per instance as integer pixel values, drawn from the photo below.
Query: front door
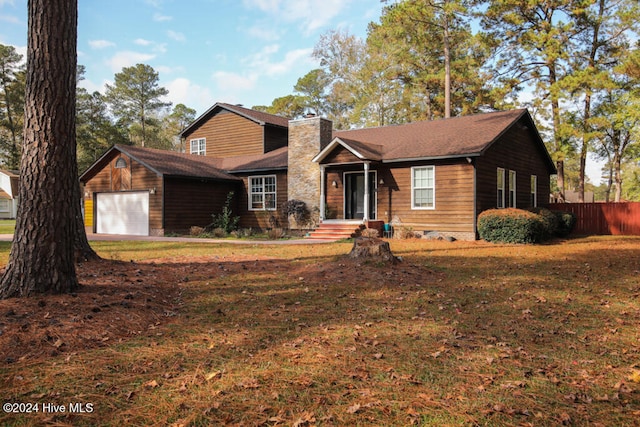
(354, 195)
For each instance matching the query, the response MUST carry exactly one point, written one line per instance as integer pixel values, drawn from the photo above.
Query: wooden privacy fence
(604, 218)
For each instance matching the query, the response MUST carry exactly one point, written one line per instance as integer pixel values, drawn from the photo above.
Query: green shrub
(550, 222)
(298, 210)
(226, 220)
(510, 226)
(566, 223)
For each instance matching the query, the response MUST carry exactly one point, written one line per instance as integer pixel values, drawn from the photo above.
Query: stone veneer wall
(306, 138)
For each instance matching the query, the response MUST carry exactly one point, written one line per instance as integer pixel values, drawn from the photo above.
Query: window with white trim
(199, 146)
(4, 205)
(534, 191)
(262, 193)
(512, 189)
(423, 187)
(501, 182)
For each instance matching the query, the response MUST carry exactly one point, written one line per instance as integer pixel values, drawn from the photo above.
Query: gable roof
(272, 160)
(174, 164)
(164, 163)
(466, 136)
(262, 118)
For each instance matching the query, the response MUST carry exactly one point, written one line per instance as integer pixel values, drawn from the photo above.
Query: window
(501, 182)
(4, 205)
(512, 189)
(423, 187)
(121, 163)
(199, 146)
(262, 193)
(534, 191)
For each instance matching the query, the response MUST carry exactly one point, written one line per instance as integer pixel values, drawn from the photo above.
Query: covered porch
(349, 192)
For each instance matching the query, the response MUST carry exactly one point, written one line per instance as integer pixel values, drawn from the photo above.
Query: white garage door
(123, 213)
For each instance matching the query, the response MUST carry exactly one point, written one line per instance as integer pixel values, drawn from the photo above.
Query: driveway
(118, 237)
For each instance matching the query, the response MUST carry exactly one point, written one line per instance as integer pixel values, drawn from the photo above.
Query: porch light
(334, 184)
(381, 182)
(152, 190)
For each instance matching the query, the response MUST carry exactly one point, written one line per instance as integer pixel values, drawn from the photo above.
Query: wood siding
(261, 219)
(192, 202)
(140, 179)
(275, 138)
(228, 134)
(516, 150)
(340, 155)
(454, 199)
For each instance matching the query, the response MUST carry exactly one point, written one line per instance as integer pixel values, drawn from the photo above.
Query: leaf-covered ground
(457, 334)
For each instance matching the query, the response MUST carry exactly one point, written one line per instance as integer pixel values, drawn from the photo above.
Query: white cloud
(10, 19)
(183, 91)
(6, 2)
(127, 59)
(165, 69)
(262, 61)
(94, 87)
(310, 14)
(142, 42)
(233, 81)
(179, 37)
(263, 34)
(270, 6)
(156, 47)
(100, 44)
(161, 18)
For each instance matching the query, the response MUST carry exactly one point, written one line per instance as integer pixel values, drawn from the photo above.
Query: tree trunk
(42, 254)
(366, 247)
(447, 64)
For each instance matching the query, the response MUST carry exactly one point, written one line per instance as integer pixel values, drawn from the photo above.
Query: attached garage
(123, 213)
(148, 192)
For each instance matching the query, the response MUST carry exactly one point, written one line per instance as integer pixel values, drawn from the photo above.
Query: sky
(245, 52)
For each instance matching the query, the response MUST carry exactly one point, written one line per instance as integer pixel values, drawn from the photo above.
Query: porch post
(366, 192)
(322, 195)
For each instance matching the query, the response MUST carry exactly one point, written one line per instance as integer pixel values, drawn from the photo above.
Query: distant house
(430, 176)
(9, 181)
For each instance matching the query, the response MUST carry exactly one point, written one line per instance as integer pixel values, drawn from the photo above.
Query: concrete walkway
(118, 237)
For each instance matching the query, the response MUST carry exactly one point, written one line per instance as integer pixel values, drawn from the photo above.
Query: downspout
(162, 206)
(475, 198)
(322, 193)
(366, 193)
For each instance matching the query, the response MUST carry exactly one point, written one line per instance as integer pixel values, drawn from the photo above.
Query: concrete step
(333, 231)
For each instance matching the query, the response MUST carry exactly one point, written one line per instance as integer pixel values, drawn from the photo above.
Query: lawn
(7, 226)
(457, 334)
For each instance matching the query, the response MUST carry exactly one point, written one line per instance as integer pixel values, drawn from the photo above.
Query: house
(430, 176)
(140, 191)
(9, 181)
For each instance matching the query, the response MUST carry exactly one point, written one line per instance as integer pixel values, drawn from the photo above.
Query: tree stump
(374, 248)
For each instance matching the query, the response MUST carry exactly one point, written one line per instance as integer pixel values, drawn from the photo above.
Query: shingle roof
(257, 116)
(276, 159)
(171, 163)
(459, 136)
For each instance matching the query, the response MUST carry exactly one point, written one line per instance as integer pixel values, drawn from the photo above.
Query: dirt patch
(117, 300)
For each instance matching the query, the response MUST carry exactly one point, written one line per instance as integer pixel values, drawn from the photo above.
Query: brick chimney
(307, 136)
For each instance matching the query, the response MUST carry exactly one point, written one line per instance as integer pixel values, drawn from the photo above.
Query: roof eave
(333, 144)
(235, 171)
(429, 158)
(196, 123)
(208, 178)
(123, 150)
